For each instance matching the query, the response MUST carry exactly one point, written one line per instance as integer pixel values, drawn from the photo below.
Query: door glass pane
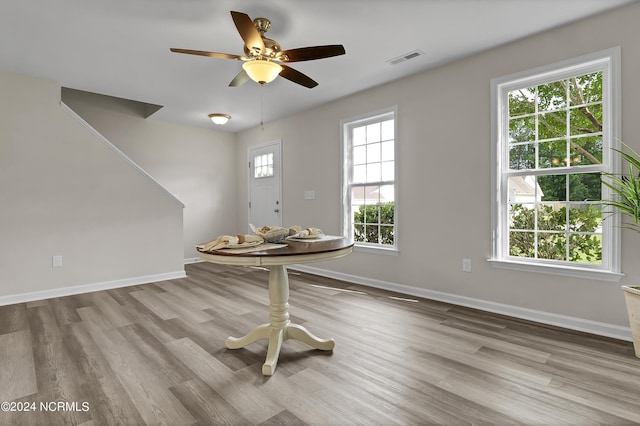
(263, 165)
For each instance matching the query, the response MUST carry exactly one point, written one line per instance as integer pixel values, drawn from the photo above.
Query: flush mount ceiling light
(220, 119)
(262, 71)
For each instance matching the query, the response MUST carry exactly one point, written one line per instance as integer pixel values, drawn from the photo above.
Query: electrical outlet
(466, 265)
(56, 261)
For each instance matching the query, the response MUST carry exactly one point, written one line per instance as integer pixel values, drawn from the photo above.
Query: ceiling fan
(263, 58)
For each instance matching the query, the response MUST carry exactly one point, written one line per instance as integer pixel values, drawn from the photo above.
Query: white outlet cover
(466, 265)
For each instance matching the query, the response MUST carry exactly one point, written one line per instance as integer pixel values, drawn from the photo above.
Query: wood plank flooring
(154, 354)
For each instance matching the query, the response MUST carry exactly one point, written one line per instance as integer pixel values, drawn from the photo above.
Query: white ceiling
(121, 47)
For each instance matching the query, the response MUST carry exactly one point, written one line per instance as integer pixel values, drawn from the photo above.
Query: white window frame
(347, 174)
(607, 61)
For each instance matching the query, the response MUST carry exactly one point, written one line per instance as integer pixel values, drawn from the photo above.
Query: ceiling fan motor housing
(271, 47)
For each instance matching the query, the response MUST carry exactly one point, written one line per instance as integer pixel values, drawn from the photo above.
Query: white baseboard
(191, 260)
(87, 288)
(572, 323)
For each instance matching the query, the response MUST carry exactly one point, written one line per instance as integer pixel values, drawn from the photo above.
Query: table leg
(298, 332)
(275, 343)
(279, 328)
(258, 333)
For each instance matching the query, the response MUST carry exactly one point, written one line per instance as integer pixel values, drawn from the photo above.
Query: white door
(265, 184)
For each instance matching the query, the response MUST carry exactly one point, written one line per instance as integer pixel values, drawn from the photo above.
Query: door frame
(278, 144)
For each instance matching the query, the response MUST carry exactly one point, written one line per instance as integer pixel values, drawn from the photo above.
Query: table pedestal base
(279, 328)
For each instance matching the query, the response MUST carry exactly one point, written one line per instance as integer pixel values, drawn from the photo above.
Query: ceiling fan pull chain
(262, 106)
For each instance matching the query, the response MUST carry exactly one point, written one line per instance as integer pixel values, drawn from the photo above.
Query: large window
(369, 145)
(554, 130)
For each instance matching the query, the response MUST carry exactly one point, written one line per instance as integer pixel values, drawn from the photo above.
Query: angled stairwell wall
(64, 192)
(197, 164)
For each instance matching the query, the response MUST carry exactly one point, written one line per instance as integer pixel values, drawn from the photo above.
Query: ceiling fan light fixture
(262, 71)
(219, 119)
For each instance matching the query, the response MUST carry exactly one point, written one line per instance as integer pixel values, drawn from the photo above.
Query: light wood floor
(155, 354)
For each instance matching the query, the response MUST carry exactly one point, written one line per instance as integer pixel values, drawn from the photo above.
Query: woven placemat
(317, 240)
(260, 247)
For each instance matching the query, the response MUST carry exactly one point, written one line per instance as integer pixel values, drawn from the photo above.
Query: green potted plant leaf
(626, 200)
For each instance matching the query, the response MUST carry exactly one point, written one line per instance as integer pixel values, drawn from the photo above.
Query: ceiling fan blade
(297, 77)
(248, 32)
(311, 53)
(241, 78)
(205, 53)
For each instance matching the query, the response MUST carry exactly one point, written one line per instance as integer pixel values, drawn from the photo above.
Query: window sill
(574, 272)
(391, 251)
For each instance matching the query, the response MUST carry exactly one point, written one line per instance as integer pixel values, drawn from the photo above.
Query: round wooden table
(280, 327)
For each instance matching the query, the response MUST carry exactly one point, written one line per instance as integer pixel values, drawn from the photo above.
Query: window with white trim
(263, 165)
(369, 176)
(554, 132)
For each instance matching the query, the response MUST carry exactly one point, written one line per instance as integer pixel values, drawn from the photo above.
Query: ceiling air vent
(411, 55)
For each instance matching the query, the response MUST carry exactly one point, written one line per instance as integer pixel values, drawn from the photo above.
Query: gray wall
(64, 192)
(444, 192)
(195, 164)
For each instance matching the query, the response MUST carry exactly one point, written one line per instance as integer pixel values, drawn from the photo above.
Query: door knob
(277, 210)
